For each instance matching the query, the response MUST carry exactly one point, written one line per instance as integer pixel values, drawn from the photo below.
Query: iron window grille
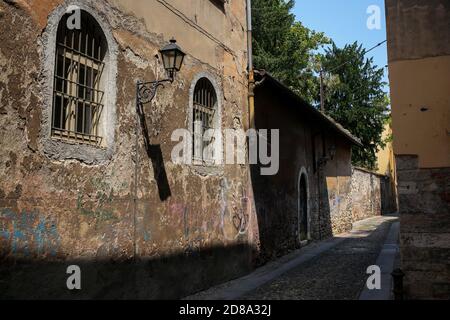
(78, 99)
(205, 102)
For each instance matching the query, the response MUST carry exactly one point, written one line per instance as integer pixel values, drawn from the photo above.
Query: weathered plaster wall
(277, 197)
(417, 28)
(419, 63)
(419, 66)
(200, 26)
(58, 211)
(421, 109)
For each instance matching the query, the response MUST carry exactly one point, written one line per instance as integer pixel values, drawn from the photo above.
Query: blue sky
(345, 21)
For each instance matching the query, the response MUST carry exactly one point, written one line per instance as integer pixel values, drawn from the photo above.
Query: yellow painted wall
(420, 94)
(387, 166)
(384, 156)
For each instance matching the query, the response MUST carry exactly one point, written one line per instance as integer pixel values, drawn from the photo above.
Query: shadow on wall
(310, 144)
(169, 277)
(389, 202)
(279, 217)
(155, 154)
(323, 214)
(278, 203)
(165, 277)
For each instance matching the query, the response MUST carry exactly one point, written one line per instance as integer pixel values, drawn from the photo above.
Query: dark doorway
(303, 208)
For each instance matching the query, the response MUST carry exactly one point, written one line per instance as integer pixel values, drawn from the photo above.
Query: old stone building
(419, 63)
(317, 192)
(82, 184)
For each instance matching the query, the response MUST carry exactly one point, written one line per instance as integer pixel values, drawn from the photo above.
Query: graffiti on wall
(27, 234)
(234, 212)
(101, 211)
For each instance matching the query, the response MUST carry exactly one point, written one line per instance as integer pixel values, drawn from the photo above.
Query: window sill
(62, 150)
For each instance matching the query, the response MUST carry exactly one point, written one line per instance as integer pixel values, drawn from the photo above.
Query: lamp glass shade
(172, 56)
(169, 59)
(179, 60)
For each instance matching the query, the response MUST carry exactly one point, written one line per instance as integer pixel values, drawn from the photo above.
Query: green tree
(284, 47)
(354, 97)
(353, 86)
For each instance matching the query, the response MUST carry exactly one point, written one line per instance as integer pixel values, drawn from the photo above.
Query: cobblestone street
(333, 269)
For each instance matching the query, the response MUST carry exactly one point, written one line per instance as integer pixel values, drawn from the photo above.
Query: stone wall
(338, 172)
(425, 229)
(365, 194)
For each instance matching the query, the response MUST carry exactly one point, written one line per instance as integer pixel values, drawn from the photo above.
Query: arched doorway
(303, 207)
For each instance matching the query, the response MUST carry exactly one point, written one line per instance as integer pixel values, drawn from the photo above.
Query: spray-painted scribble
(233, 212)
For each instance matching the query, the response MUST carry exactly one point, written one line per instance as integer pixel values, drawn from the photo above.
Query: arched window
(79, 94)
(204, 122)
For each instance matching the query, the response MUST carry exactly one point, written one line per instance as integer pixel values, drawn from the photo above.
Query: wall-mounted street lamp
(328, 157)
(172, 57)
(332, 151)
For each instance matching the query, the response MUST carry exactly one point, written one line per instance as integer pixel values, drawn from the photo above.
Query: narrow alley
(334, 269)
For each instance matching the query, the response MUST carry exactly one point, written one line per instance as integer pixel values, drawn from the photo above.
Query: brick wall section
(424, 197)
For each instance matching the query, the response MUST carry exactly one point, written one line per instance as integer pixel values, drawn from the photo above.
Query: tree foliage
(353, 90)
(354, 97)
(284, 47)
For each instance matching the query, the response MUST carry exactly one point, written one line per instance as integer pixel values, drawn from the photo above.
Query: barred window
(204, 113)
(78, 97)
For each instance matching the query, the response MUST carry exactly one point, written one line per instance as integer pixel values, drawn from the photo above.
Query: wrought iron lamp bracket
(146, 91)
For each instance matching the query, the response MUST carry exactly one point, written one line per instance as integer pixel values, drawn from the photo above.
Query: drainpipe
(251, 72)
